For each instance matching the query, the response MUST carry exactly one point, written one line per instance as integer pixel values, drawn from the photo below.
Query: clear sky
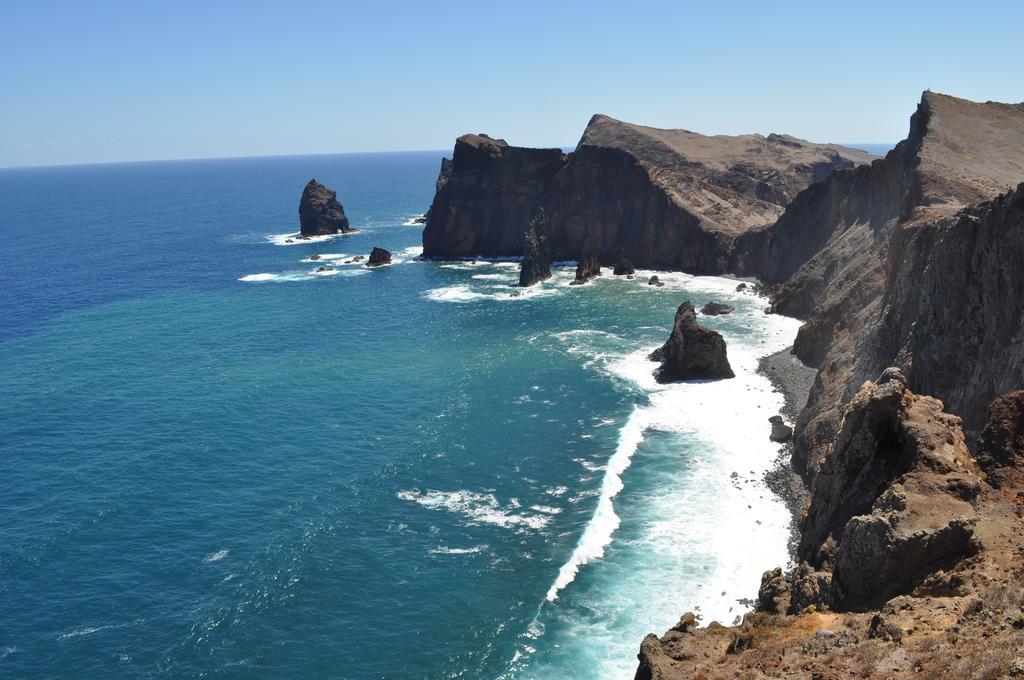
(113, 81)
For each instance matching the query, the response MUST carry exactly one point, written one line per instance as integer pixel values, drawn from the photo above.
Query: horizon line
(84, 164)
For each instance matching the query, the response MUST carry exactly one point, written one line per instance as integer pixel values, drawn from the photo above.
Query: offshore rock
(655, 281)
(623, 268)
(320, 214)
(691, 351)
(536, 264)
(378, 257)
(587, 267)
(716, 309)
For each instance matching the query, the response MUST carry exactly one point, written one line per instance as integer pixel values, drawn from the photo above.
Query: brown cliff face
(850, 253)
(486, 197)
(661, 198)
(1001, 445)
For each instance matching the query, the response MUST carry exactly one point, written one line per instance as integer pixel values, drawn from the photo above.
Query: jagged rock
(716, 309)
(810, 588)
(320, 213)
(623, 267)
(692, 351)
(536, 264)
(378, 257)
(892, 500)
(780, 431)
(773, 596)
(486, 196)
(668, 199)
(741, 287)
(655, 281)
(1001, 445)
(587, 267)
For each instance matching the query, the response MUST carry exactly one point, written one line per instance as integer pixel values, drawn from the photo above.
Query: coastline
(794, 380)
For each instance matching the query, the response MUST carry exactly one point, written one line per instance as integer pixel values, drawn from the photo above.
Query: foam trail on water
(604, 522)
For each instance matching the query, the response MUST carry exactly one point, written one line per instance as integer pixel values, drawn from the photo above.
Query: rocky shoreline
(793, 379)
(906, 271)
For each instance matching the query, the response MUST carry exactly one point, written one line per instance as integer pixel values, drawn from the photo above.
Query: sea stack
(536, 265)
(587, 267)
(692, 351)
(379, 257)
(320, 213)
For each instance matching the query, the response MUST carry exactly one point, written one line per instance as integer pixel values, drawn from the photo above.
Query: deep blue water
(215, 464)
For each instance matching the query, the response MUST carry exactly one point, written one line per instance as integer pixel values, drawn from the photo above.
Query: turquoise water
(214, 463)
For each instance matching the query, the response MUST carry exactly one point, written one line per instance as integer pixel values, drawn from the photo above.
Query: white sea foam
(493, 277)
(698, 533)
(293, 239)
(444, 550)
(81, 632)
(285, 276)
(497, 293)
(604, 521)
(479, 508)
(326, 257)
(411, 251)
(217, 556)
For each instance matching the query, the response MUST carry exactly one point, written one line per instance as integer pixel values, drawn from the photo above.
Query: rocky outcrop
(378, 257)
(320, 214)
(623, 268)
(670, 199)
(486, 196)
(892, 499)
(716, 309)
(692, 352)
(655, 281)
(1001, 445)
(587, 267)
(536, 264)
(879, 260)
(780, 431)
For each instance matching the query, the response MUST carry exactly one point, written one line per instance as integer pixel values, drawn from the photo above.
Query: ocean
(216, 463)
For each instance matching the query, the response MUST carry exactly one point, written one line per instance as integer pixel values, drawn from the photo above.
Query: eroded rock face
(666, 199)
(536, 264)
(486, 197)
(320, 213)
(692, 351)
(892, 498)
(1001, 446)
(587, 267)
(378, 257)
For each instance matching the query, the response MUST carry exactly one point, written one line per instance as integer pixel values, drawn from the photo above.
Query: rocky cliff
(914, 262)
(320, 213)
(536, 264)
(671, 199)
(486, 197)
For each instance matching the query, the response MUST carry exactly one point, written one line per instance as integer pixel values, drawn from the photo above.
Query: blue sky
(104, 81)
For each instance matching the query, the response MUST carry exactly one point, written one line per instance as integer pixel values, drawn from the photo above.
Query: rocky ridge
(666, 199)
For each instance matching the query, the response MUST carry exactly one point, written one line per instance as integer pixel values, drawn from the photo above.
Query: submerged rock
(314, 257)
(378, 257)
(717, 308)
(692, 351)
(536, 264)
(320, 214)
(587, 267)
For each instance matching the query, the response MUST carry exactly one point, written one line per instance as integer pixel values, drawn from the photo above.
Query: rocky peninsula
(908, 272)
